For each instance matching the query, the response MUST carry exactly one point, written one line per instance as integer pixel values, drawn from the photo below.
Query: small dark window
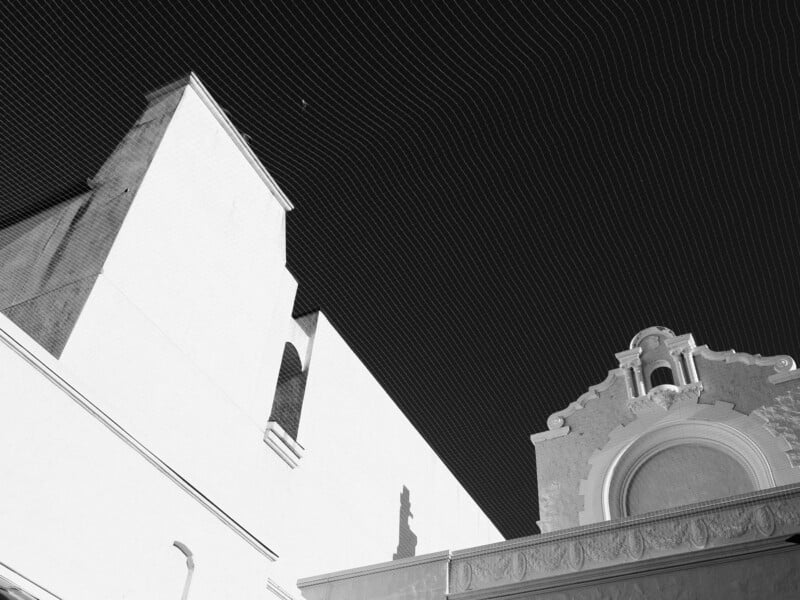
(660, 376)
(289, 391)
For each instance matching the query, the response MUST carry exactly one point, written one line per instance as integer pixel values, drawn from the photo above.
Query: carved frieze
(782, 419)
(689, 530)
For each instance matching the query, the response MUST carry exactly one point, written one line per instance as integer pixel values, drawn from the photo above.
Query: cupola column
(683, 345)
(631, 361)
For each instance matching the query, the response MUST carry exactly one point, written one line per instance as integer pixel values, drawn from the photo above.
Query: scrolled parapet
(759, 515)
(783, 365)
(558, 419)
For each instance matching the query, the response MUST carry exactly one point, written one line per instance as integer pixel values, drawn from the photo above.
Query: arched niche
(660, 374)
(287, 404)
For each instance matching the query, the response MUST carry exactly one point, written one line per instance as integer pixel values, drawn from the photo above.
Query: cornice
(134, 444)
(593, 578)
(391, 565)
(191, 80)
(752, 518)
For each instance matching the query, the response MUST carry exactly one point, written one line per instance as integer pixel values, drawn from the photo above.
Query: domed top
(657, 333)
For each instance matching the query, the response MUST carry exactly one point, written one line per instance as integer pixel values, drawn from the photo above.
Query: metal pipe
(189, 566)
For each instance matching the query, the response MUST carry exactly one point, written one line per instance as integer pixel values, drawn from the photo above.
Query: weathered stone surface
(781, 418)
(563, 462)
(745, 386)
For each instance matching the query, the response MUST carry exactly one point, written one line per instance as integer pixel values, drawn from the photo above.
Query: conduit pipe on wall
(189, 566)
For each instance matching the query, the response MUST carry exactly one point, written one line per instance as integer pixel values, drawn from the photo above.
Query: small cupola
(657, 359)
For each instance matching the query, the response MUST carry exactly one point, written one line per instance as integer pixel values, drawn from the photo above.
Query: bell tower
(658, 360)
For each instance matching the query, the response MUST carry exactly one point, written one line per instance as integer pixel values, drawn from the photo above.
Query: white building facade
(155, 388)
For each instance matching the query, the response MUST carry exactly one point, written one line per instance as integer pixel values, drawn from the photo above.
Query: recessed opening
(661, 376)
(288, 402)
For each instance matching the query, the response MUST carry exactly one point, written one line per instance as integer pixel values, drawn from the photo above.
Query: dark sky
(491, 198)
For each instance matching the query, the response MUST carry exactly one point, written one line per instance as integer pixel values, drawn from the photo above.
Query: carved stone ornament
(462, 577)
(698, 533)
(665, 397)
(765, 522)
(634, 544)
(575, 555)
(782, 419)
(519, 565)
(688, 531)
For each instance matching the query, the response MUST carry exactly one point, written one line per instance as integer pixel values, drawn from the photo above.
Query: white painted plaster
(180, 344)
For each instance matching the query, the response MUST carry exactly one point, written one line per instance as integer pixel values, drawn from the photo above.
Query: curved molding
(744, 434)
(719, 436)
(655, 330)
(784, 365)
(557, 419)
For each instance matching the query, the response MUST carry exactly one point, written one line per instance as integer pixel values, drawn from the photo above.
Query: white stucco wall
(85, 516)
(180, 343)
(360, 452)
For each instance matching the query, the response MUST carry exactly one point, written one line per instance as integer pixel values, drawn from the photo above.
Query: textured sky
(491, 198)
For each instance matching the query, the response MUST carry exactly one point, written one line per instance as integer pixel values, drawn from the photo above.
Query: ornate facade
(676, 477)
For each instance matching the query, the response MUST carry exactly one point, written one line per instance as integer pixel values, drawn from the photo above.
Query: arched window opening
(661, 376)
(288, 401)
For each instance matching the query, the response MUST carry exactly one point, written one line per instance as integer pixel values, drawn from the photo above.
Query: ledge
(727, 525)
(278, 591)
(372, 569)
(282, 443)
